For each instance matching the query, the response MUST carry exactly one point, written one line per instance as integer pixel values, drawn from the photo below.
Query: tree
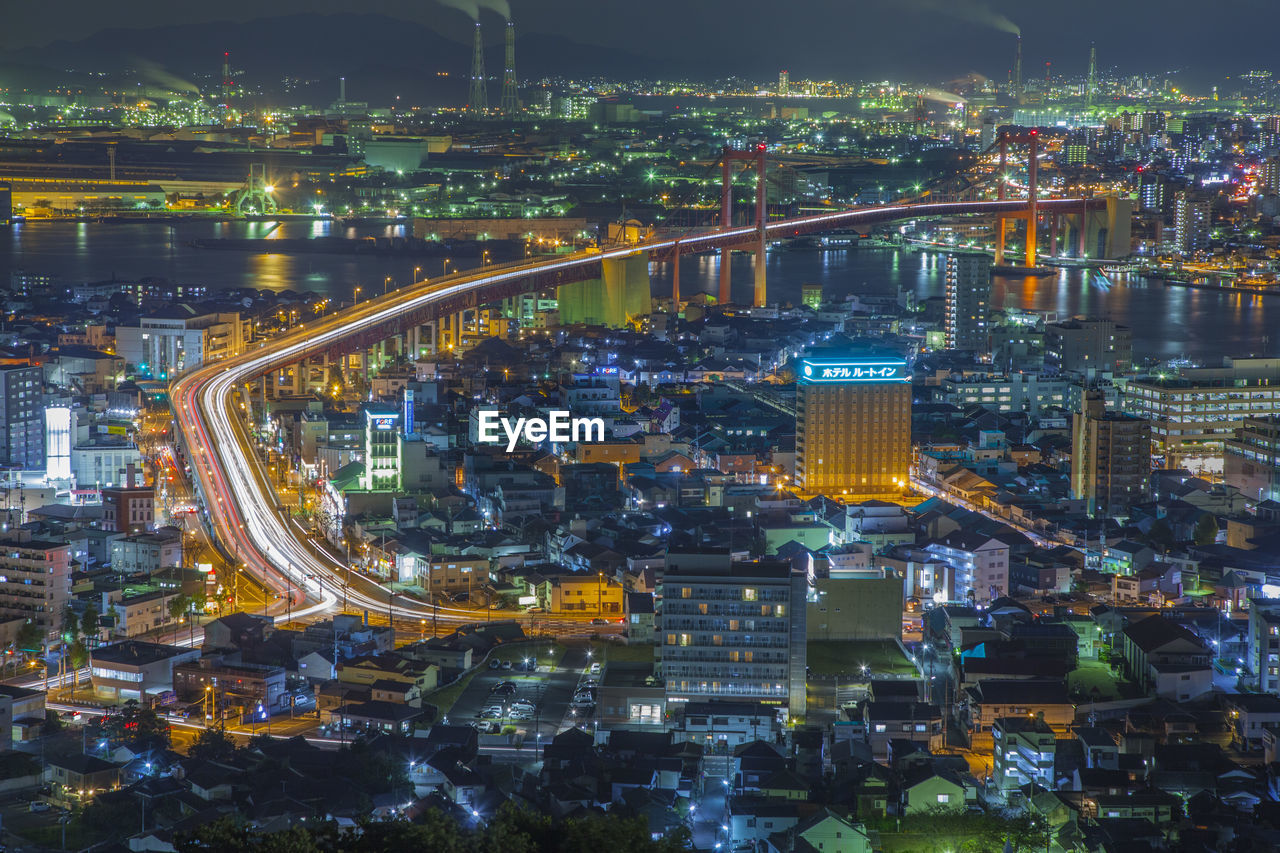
(199, 600)
(177, 606)
(212, 745)
(70, 624)
(79, 657)
(30, 638)
(1160, 535)
(138, 728)
(1206, 531)
(89, 624)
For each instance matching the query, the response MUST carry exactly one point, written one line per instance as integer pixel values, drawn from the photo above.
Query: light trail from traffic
(242, 508)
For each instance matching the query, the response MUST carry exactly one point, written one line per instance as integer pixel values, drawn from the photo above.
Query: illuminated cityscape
(531, 425)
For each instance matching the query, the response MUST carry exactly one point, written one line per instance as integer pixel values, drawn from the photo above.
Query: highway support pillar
(1032, 200)
(726, 221)
(1000, 190)
(762, 219)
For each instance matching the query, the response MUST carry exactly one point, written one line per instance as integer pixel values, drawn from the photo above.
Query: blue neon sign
(830, 371)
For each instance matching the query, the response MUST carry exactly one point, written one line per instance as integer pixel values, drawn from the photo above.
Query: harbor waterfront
(1167, 321)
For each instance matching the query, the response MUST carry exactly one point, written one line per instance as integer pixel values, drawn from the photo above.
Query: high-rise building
(1151, 192)
(1269, 176)
(733, 631)
(784, 82)
(1251, 460)
(967, 308)
(853, 425)
(22, 417)
(1191, 223)
(1110, 458)
(1084, 344)
(35, 579)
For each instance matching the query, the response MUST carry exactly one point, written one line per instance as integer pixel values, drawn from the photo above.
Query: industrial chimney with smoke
(479, 101)
(1017, 71)
(510, 103)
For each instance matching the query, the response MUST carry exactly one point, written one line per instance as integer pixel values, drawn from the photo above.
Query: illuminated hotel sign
(820, 371)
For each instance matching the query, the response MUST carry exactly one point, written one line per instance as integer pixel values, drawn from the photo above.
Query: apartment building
(35, 579)
(1195, 412)
(733, 630)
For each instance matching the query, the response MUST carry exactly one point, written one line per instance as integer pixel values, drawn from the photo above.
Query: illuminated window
(748, 594)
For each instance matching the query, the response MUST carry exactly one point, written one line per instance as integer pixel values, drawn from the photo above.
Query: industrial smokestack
(479, 101)
(1017, 69)
(1091, 82)
(227, 82)
(510, 102)
(342, 90)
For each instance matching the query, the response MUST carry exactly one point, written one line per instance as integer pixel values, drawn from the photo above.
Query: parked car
(595, 668)
(506, 664)
(599, 621)
(495, 664)
(503, 687)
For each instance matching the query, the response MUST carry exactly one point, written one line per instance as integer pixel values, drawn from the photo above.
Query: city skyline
(928, 41)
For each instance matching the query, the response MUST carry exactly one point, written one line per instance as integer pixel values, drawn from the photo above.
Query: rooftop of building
(136, 653)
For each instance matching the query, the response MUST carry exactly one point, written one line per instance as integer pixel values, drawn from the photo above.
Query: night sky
(916, 39)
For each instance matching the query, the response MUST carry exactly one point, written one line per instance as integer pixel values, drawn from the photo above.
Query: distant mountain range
(304, 55)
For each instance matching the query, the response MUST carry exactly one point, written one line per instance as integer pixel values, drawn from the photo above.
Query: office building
(968, 297)
(1085, 345)
(1194, 412)
(1018, 392)
(1110, 458)
(381, 447)
(784, 82)
(177, 338)
(35, 580)
(21, 417)
(128, 509)
(733, 631)
(1251, 459)
(853, 425)
(1191, 223)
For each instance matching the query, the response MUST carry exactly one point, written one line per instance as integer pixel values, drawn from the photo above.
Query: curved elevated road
(209, 403)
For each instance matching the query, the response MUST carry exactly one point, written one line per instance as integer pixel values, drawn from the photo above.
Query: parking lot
(549, 687)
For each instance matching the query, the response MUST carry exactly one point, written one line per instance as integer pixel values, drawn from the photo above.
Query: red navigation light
(759, 146)
(1034, 132)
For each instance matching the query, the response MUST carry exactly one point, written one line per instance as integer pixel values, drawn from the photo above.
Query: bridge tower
(757, 155)
(1031, 139)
